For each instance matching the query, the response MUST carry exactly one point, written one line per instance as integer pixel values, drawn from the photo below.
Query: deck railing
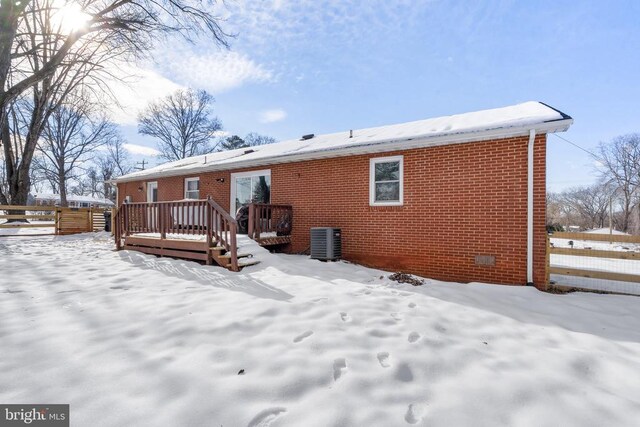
(225, 229)
(268, 218)
(187, 217)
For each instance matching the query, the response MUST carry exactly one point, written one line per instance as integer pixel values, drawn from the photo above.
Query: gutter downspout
(532, 138)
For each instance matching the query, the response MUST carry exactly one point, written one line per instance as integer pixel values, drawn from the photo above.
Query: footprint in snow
(412, 305)
(383, 358)
(302, 336)
(396, 316)
(339, 366)
(345, 317)
(415, 412)
(266, 417)
(413, 337)
(404, 373)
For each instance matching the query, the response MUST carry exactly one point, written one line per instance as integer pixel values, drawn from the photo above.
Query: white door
(152, 211)
(152, 192)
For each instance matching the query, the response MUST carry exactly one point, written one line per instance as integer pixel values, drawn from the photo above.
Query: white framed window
(386, 181)
(192, 188)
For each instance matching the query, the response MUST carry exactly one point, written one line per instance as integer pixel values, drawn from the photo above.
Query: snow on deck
(131, 339)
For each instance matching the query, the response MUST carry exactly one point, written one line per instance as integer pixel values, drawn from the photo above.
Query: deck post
(257, 223)
(233, 246)
(126, 219)
(252, 221)
(116, 227)
(161, 210)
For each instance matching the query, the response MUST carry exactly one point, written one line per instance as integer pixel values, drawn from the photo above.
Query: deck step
(248, 262)
(228, 256)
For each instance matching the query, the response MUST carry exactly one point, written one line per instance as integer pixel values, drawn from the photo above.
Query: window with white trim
(386, 181)
(192, 188)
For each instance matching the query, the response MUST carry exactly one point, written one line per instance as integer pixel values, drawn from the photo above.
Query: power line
(577, 146)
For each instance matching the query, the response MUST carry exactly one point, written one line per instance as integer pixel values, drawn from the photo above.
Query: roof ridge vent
(307, 137)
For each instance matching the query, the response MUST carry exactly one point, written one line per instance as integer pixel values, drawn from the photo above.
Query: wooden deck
(197, 230)
(270, 225)
(185, 249)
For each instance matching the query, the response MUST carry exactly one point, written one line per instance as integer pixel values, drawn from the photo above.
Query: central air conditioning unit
(326, 243)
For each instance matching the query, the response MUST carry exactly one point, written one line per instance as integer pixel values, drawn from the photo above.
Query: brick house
(456, 198)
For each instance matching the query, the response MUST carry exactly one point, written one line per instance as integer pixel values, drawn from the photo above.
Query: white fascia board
(373, 148)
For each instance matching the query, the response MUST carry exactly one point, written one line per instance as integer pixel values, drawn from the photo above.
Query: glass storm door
(152, 192)
(152, 196)
(250, 187)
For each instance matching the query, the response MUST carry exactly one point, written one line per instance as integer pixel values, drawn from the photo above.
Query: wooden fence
(53, 220)
(632, 253)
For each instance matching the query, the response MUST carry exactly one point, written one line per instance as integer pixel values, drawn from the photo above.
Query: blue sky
(306, 66)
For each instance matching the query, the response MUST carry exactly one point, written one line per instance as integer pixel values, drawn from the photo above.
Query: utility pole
(143, 162)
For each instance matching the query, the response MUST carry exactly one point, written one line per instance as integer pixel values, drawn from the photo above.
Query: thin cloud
(271, 116)
(139, 87)
(214, 71)
(141, 150)
(221, 134)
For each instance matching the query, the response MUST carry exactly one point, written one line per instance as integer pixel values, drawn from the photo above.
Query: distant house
(459, 198)
(49, 199)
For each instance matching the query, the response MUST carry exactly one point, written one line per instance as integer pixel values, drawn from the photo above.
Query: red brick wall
(460, 201)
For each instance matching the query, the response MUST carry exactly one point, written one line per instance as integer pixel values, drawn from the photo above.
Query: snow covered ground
(47, 228)
(132, 340)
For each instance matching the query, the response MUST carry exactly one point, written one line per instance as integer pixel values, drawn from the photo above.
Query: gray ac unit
(326, 243)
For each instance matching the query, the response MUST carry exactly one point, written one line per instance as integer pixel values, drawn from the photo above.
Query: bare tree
(251, 140)
(89, 184)
(71, 133)
(114, 162)
(34, 49)
(182, 123)
(590, 204)
(620, 159)
(118, 155)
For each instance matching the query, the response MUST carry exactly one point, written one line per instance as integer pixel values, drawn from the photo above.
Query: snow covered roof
(476, 126)
(74, 198)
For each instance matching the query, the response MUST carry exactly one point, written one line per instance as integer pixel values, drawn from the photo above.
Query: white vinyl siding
(386, 181)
